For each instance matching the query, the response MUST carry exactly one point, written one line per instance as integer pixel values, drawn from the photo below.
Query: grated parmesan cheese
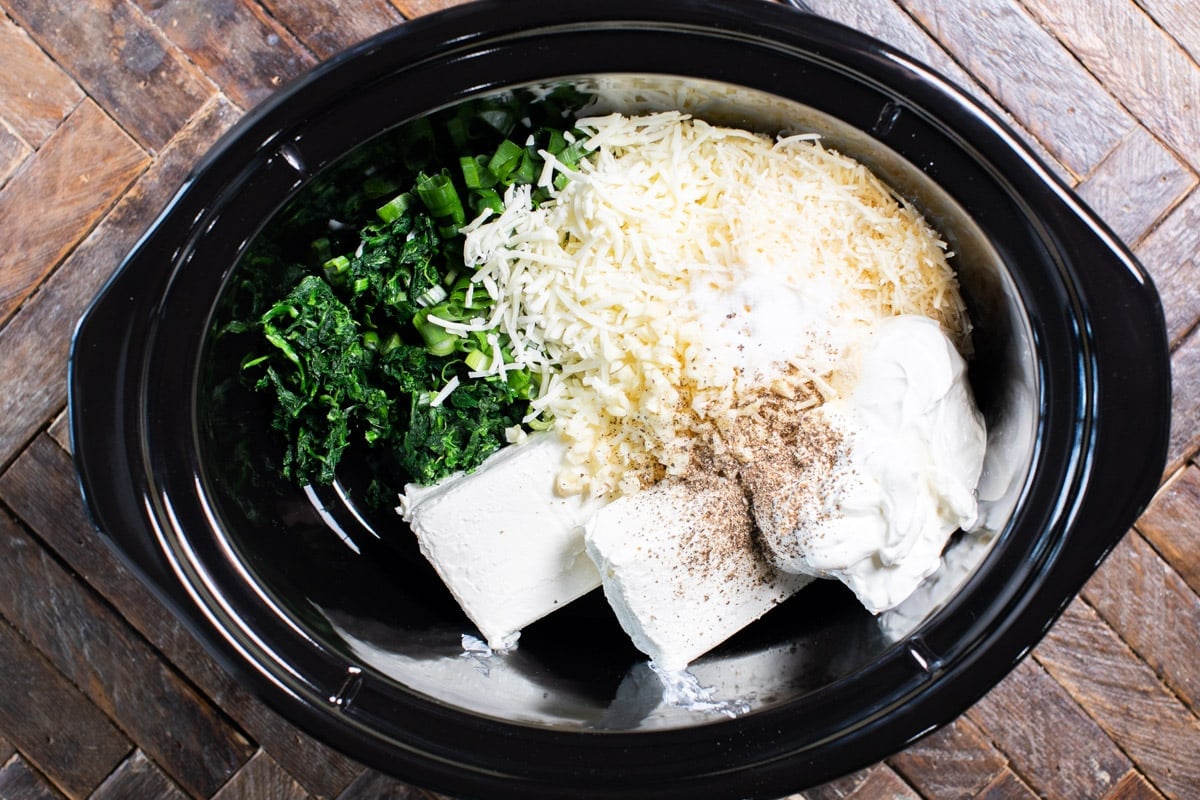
(608, 291)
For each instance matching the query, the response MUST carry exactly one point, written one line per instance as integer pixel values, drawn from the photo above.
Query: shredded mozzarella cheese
(598, 289)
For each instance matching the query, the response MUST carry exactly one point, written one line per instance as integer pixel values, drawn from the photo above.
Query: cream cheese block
(507, 547)
(681, 568)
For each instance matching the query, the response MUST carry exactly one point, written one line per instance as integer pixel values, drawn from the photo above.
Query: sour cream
(912, 447)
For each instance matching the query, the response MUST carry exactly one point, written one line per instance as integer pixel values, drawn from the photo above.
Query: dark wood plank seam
(102, 600)
(295, 36)
(1116, 98)
(1077, 178)
(1119, 744)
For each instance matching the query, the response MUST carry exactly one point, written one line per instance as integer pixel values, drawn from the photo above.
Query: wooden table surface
(105, 105)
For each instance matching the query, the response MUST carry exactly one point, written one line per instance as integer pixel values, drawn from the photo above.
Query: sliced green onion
(394, 208)
(335, 269)
(505, 159)
(438, 194)
(438, 341)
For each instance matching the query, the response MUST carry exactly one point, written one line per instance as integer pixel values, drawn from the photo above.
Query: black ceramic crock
(324, 610)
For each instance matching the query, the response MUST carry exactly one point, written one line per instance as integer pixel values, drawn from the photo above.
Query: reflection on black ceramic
(323, 604)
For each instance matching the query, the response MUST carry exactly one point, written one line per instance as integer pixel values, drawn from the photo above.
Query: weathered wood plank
(955, 761)
(1172, 525)
(53, 724)
(261, 779)
(82, 170)
(1179, 19)
(879, 781)
(1151, 607)
(1185, 402)
(6, 749)
(1134, 787)
(138, 777)
(324, 26)
(19, 781)
(1136, 60)
(115, 668)
(59, 430)
(1031, 74)
(1136, 184)
(35, 94)
(1048, 738)
(1122, 694)
(40, 487)
(1171, 254)
(13, 152)
(121, 61)
(34, 344)
(1006, 786)
(373, 785)
(889, 23)
(234, 42)
(417, 8)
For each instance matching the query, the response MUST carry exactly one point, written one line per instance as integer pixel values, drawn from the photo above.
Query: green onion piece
(438, 194)
(476, 360)
(390, 344)
(556, 142)
(540, 424)
(370, 340)
(457, 128)
(335, 269)
(321, 250)
(438, 341)
(505, 159)
(499, 118)
(526, 171)
(486, 198)
(361, 284)
(476, 174)
(394, 208)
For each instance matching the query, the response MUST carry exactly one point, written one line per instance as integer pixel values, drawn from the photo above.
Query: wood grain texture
(115, 668)
(891, 24)
(13, 152)
(955, 761)
(875, 782)
(261, 779)
(20, 781)
(1179, 19)
(235, 43)
(325, 26)
(1172, 524)
(1171, 254)
(36, 95)
(138, 778)
(1151, 607)
(1051, 742)
(1134, 787)
(1031, 74)
(35, 343)
(1006, 786)
(373, 785)
(1185, 402)
(1136, 60)
(1136, 184)
(418, 8)
(84, 167)
(122, 62)
(1122, 694)
(54, 725)
(40, 486)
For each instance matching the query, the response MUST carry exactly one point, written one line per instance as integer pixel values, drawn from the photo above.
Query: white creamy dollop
(912, 450)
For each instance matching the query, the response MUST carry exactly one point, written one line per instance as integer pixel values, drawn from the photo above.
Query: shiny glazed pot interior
(326, 607)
